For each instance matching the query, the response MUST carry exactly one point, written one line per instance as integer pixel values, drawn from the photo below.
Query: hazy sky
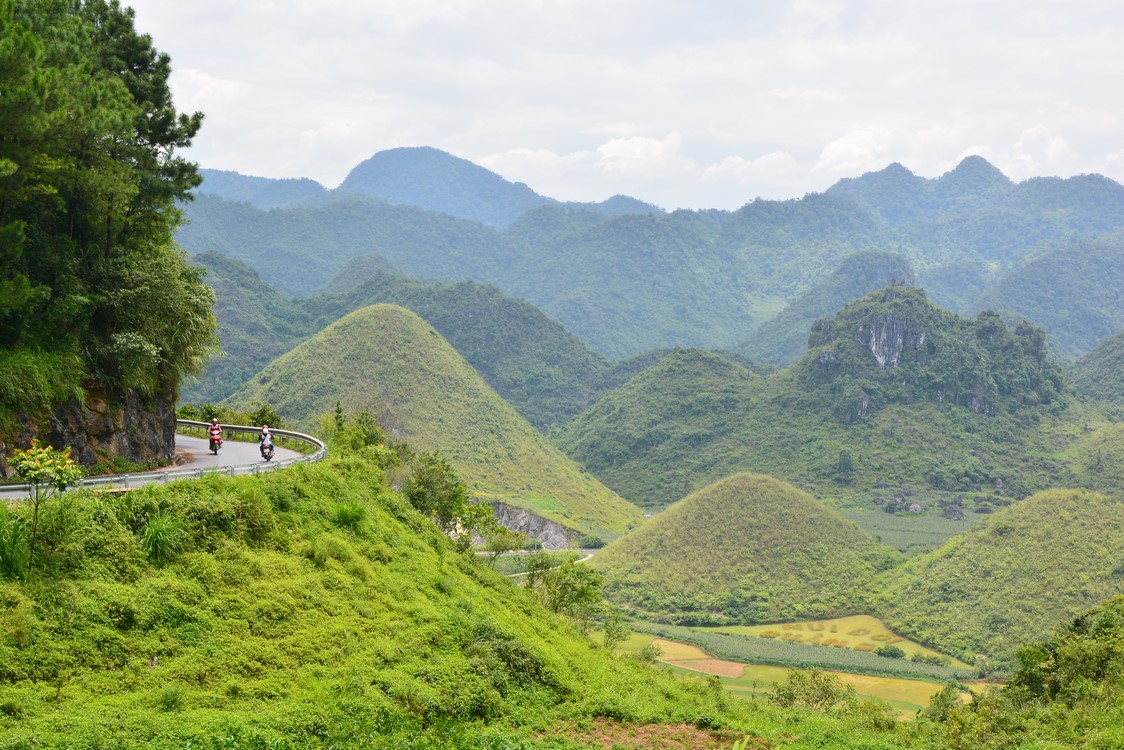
(684, 104)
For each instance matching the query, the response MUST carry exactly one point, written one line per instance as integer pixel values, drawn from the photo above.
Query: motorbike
(267, 451)
(214, 444)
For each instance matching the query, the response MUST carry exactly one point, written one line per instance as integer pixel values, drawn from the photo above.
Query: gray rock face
(138, 428)
(890, 338)
(551, 534)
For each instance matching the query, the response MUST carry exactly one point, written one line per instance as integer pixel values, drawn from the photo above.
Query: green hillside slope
(535, 364)
(256, 324)
(388, 360)
(783, 339)
(693, 418)
(1100, 373)
(544, 371)
(1023, 572)
(1074, 291)
(746, 549)
(254, 613)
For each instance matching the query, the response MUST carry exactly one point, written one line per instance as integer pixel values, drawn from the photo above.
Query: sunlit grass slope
(1014, 579)
(749, 548)
(387, 359)
(692, 418)
(310, 607)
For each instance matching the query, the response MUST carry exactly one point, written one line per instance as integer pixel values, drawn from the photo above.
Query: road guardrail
(282, 438)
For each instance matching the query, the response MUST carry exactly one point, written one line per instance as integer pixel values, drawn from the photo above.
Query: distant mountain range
(421, 176)
(625, 277)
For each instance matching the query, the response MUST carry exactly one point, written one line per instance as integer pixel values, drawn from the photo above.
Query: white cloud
(859, 150)
(675, 103)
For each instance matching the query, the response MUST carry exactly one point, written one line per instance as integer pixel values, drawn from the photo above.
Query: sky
(683, 104)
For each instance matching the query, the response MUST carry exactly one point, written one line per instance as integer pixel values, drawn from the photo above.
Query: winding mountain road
(193, 458)
(192, 453)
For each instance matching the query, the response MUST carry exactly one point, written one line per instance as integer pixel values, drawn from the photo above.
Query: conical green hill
(748, 548)
(1023, 573)
(388, 360)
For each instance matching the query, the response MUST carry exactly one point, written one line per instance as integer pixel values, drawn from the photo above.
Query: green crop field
(907, 695)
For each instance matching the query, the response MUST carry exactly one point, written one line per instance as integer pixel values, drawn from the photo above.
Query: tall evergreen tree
(89, 179)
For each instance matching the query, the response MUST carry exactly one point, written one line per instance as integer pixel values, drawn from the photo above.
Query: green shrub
(163, 537)
(172, 698)
(11, 708)
(890, 652)
(590, 541)
(350, 514)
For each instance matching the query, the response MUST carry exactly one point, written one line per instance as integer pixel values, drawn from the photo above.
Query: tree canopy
(89, 179)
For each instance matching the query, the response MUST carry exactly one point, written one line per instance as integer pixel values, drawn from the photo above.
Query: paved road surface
(193, 454)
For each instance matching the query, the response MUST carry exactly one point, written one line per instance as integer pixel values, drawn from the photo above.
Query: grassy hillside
(783, 339)
(693, 418)
(314, 608)
(1073, 290)
(388, 360)
(1100, 373)
(311, 607)
(546, 373)
(1014, 578)
(746, 549)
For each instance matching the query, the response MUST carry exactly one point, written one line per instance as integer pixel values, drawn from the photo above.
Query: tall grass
(13, 547)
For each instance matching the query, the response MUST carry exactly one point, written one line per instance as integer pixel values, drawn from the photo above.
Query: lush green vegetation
(974, 238)
(1100, 373)
(692, 418)
(1013, 578)
(894, 346)
(388, 361)
(298, 250)
(1067, 692)
(746, 549)
(93, 295)
(751, 650)
(253, 609)
(543, 371)
(783, 339)
(1071, 289)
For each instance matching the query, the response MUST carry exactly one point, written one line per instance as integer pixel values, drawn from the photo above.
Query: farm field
(912, 535)
(856, 632)
(908, 696)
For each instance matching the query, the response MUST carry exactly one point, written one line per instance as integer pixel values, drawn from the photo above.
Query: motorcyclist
(266, 445)
(264, 434)
(214, 432)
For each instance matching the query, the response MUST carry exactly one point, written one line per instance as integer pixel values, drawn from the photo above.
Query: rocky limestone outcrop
(552, 535)
(136, 427)
(890, 338)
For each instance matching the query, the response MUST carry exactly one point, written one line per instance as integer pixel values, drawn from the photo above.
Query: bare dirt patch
(606, 733)
(719, 667)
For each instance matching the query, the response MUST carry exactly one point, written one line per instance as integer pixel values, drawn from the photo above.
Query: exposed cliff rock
(136, 428)
(551, 534)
